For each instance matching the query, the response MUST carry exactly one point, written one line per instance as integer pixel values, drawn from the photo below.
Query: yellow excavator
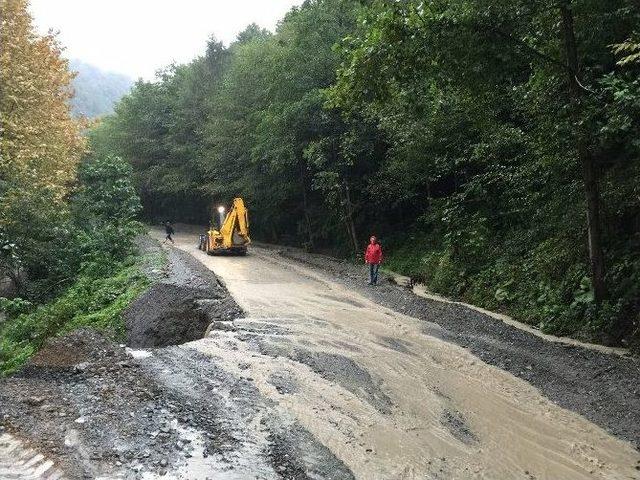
(233, 236)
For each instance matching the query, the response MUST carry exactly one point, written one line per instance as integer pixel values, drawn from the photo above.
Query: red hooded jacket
(373, 253)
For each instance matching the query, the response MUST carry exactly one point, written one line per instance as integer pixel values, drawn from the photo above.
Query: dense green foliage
(40, 147)
(492, 144)
(67, 223)
(91, 272)
(96, 300)
(94, 91)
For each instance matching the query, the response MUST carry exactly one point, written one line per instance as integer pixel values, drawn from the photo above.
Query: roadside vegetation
(101, 272)
(67, 216)
(493, 146)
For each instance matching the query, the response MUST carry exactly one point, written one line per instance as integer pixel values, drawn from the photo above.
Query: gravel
(99, 409)
(83, 401)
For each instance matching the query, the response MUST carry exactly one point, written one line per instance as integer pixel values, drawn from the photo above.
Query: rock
(80, 420)
(80, 367)
(34, 401)
(163, 462)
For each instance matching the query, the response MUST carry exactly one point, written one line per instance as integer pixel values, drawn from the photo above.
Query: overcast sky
(137, 37)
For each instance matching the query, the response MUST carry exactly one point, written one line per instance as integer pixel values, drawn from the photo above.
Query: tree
(474, 136)
(40, 143)
(520, 83)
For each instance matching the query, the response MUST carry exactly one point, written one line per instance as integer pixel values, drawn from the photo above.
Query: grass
(95, 300)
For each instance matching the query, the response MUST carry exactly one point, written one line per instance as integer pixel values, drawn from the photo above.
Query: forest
(492, 145)
(67, 215)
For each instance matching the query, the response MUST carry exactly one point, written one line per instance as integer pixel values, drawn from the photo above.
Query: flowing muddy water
(384, 393)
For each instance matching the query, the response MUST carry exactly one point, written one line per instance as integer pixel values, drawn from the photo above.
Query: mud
(449, 414)
(454, 422)
(318, 379)
(245, 434)
(180, 306)
(346, 373)
(167, 315)
(284, 382)
(605, 388)
(85, 407)
(83, 402)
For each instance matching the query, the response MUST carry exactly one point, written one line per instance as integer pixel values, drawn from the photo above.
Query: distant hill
(96, 91)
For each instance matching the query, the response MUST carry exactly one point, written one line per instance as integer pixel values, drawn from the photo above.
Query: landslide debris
(83, 402)
(186, 298)
(102, 410)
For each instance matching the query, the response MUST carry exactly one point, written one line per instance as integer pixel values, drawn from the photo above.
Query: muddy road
(304, 372)
(383, 392)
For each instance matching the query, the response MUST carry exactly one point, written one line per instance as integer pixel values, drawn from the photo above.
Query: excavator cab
(233, 236)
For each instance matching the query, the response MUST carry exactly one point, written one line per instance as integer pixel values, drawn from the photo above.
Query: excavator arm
(235, 229)
(233, 236)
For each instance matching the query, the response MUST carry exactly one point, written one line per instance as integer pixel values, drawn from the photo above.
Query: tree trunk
(586, 158)
(350, 225)
(305, 207)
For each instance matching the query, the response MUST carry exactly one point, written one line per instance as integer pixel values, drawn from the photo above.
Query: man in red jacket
(373, 257)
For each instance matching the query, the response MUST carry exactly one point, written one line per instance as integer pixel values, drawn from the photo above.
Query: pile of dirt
(186, 299)
(166, 315)
(78, 347)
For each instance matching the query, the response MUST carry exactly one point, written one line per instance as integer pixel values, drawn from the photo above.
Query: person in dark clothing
(168, 228)
(373, 257)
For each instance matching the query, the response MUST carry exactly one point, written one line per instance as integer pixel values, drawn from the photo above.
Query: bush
(96, 299)
(84, 253)
(546, 286)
